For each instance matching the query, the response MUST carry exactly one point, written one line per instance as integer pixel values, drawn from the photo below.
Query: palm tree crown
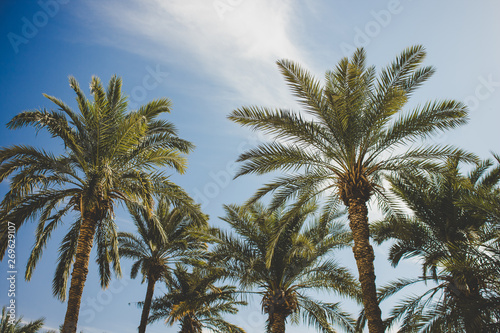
(163, 239)
(196, 302)
(277, 251)
(110, 155)
(457, 244)
(353, 135)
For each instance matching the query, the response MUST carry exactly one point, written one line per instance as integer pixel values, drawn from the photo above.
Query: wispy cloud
(235, 43)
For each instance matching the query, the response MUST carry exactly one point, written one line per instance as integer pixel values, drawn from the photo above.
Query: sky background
(210, 57)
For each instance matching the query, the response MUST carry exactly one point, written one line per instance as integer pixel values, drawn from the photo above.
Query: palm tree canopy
(445, 305)
(440, 213)
(284, 254)
(109, 155)
(456, 242)
(353, 129)
(163, 239)
(196, 302)
(486, 197)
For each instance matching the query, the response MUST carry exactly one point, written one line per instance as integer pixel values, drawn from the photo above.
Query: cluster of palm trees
(355, 141)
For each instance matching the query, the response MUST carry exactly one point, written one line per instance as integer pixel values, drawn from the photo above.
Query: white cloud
(236, 45)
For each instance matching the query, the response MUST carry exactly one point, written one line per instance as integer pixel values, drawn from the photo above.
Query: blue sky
(210, 57)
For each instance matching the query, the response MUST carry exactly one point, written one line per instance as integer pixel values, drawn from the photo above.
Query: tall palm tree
(196, 302)
(456, 244)
(355, 127)
(440, 215)
(463, 295)
(163, 239)
(284, 255)
(110, 155)
(16, 326)
(443, 307)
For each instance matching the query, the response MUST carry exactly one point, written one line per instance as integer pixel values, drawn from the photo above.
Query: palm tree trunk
(473, 319)
(363, 253)
(79, 274)
(147, 305)
(190, 325)
(277, 321)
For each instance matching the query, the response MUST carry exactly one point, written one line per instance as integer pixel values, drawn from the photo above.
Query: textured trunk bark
(190, 325)
(147, 305)
(79, 274)
(474, 321)
(277, 321)
(363, 253)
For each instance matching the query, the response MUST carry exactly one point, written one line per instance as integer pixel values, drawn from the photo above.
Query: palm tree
(441, 213)
(352, 136)
(442, 307)
(110, 155)
(456, 244)
(487, 198)
(465, 296)
(16, 326)
(276, 251)
(164, 239)
(196, 302)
